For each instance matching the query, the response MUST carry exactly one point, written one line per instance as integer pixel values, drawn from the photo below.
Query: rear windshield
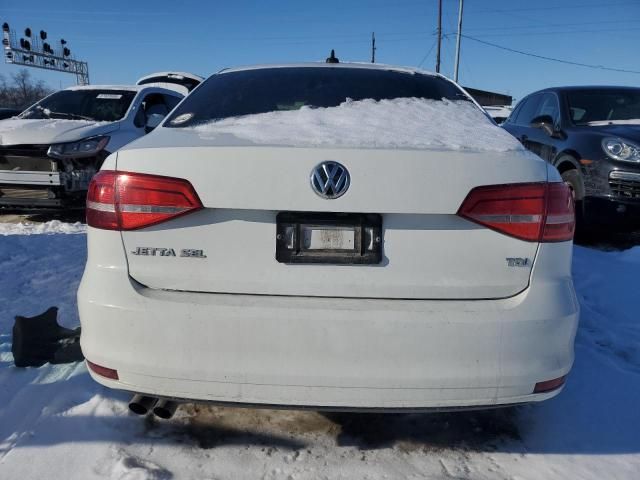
(276, 89)
(600, 105)
(83, 104)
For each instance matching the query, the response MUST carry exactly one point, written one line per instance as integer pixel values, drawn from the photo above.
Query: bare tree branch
(22, 90)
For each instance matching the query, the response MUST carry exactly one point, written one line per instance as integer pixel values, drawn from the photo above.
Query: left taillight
(129, 201)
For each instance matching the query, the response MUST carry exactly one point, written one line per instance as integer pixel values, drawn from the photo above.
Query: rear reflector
(103, 371)
(549, 385)
(535, 212)
(128, 201)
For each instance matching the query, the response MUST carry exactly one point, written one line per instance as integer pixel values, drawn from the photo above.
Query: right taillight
(128, 200)
(535, 212)
(560, 222)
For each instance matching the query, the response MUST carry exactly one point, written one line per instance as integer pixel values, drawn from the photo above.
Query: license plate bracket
(329, 238)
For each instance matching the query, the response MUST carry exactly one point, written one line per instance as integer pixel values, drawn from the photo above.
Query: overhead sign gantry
(35, 51)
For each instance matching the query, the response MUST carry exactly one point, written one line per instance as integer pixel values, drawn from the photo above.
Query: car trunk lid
(428, 251)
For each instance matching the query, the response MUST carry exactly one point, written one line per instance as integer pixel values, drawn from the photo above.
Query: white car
(49, 152)
(330, 236)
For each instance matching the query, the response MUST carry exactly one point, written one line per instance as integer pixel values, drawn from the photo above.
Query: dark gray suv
(592, 135)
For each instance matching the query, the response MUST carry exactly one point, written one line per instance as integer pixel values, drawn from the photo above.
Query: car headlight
(620, 149)
(87, 147)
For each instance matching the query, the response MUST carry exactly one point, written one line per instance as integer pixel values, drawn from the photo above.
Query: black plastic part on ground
(39, 340)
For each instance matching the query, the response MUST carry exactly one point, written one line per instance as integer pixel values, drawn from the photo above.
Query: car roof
(578, 88)
(131, 88)
(362, 65)
(169, 74)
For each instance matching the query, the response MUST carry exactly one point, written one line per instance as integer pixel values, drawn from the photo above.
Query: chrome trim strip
(101, 207)
(128, 208)
(509, 218)
(620, 175)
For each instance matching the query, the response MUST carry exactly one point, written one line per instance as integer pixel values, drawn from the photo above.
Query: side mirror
(545, 122)
(153, 120)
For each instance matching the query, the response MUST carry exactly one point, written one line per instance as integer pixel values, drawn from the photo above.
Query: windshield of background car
(251, 92)
(98, 105)
(601, 105)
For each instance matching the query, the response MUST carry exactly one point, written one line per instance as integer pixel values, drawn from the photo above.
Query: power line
(558, 60)
(553, 32)
(557, 7)
(427, 54)
(547, 25)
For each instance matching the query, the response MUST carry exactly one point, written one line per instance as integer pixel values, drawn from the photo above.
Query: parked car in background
(592, 135)
(8, 113)
(50, 152)
(337, 236)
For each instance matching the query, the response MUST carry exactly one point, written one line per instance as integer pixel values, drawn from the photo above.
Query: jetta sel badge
(168, 252)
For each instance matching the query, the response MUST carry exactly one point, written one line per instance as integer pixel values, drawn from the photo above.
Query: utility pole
(439, 35)
(455, 74)
(373, 47)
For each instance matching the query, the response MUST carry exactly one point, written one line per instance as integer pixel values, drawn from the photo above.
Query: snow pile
(55, 422)
(409, 123)
(45, 228)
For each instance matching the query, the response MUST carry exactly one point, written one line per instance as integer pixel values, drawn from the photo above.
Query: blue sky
(123, 40)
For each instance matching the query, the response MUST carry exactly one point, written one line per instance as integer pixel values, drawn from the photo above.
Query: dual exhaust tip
(142, 404)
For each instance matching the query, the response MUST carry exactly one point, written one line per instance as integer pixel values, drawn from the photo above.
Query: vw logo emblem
(330, 180)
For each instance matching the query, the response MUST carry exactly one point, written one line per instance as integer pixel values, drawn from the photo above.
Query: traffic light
(66, 52)
(27, 32)
(43, 35)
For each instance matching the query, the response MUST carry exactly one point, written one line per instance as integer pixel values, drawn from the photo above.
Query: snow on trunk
(409, 123)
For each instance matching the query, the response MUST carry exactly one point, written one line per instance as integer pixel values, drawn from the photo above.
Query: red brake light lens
(534, 212)
(103, 371)
(549, 385)
(560, 223)
(128, 201)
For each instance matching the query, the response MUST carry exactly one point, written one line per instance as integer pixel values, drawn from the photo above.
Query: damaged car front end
(50, 152)
(42, 177)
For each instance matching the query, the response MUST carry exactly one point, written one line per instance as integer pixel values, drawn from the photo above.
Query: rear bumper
(327, 352)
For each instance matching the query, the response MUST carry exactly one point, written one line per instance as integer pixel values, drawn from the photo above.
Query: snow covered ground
(56, 423)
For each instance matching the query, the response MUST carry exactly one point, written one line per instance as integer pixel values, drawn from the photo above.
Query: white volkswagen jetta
(337, 236)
